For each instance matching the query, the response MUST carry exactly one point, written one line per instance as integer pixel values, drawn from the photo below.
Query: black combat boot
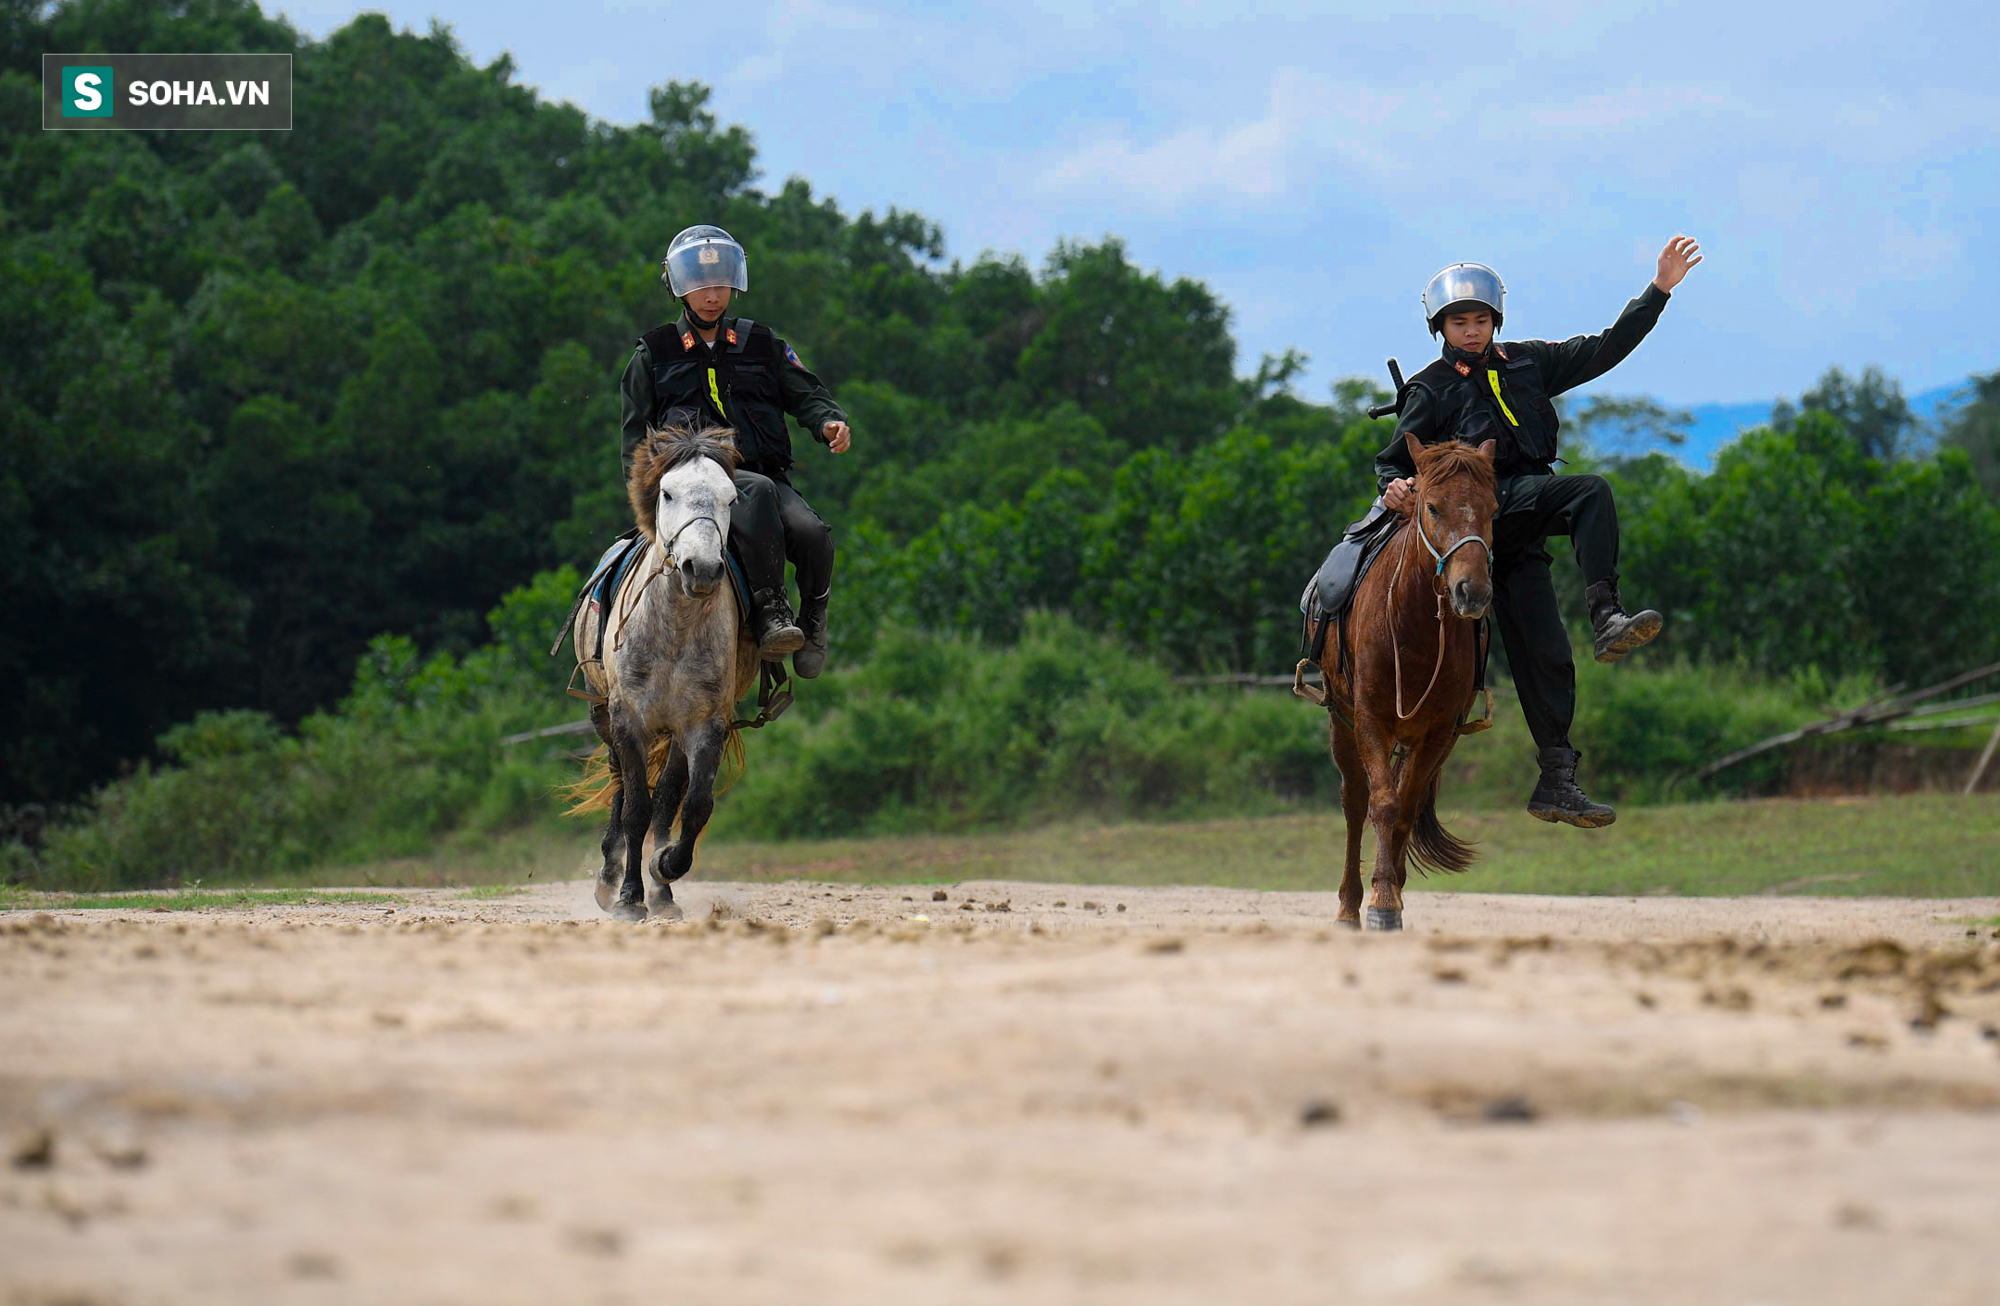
(1556, 797)
(773, 627)
(1618, 634)
(809, 661)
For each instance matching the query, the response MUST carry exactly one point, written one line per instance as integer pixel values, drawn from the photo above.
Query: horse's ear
(1416, 448)
(1489, 449)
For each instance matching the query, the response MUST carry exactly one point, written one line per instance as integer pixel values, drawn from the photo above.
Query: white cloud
(1307, 122)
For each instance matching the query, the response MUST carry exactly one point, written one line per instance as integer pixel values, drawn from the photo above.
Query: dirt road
(1018, 1092)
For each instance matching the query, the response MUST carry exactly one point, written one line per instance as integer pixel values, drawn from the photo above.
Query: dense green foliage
(284, 407)
(1799, 551)
(267, 398)
(934, 733)
(1973, 426)
(407, 756)
(1870, 410)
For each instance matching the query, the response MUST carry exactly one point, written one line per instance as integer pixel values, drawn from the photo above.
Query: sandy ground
(1037, 1093)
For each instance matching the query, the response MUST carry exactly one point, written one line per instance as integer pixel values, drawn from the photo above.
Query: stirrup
(774, 695)
(1483, 723)
(587, 694)
(1314, 694)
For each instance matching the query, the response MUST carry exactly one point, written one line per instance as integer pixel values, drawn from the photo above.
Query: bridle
(1480, 540)
(628, 607)
(1395, 649)
(667, 555)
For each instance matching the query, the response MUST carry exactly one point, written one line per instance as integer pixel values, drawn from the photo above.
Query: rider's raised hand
(1396, 496)
(1680, 254)
(837, 436)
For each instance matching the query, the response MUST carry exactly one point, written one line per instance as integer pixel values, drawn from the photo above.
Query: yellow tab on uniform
(1492, 377)
(715, 393)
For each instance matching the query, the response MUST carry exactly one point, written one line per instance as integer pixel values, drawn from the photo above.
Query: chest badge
(731, 333)
(687, 341)
(1463, 370)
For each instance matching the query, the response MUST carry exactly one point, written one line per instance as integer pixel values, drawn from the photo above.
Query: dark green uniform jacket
(748, 379)
(1504, 394)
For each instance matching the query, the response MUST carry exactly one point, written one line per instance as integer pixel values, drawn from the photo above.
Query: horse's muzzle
(1471, 598)
(699, 576)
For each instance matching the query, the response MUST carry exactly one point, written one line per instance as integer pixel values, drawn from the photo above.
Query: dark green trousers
(1532, 508)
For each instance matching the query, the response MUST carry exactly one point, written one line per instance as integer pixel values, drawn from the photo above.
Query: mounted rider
(707, 369)
(1481, 389)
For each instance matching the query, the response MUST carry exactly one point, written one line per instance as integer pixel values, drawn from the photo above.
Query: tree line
(266, 399)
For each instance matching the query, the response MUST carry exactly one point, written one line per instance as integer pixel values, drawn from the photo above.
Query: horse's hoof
(1347, 924)
(627, 911)
(662, 904)
(606, 894)
(665, 873)
(1385, 918)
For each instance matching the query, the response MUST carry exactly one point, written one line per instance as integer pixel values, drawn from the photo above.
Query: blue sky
(1315, 163)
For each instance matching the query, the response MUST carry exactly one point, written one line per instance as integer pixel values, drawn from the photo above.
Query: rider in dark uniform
(710, 369)
(1481, 389)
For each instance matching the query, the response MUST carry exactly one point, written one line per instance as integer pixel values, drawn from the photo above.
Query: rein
(1395, 647)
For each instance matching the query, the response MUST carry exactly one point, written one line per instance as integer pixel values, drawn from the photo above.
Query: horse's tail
(592, 791)
(1432, 847)
(734, 760)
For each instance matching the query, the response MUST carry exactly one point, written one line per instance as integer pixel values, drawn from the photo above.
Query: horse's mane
(666, 448)
(1453, 457)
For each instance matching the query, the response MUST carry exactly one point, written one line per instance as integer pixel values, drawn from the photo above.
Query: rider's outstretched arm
(1570, 363)
(1585, 358)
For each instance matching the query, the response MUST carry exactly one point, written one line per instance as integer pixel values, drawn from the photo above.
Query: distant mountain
(1716, 425)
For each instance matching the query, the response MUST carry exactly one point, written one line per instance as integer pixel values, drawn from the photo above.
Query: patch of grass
(14, 899)
(1919, 846)
(494, 890)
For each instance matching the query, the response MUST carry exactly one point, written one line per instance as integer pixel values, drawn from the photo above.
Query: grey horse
(677, 658)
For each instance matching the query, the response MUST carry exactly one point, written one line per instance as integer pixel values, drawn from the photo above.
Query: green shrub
(932, 733)
(943, 733)
(1647, 730)
(408, 757)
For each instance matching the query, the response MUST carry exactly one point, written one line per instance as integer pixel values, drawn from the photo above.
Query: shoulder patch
(792, 356)
(1500, 349)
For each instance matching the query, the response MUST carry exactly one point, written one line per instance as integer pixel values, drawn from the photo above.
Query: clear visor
(707, 263)
(1464, 283)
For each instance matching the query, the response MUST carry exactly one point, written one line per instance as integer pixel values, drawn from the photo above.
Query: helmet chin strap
(705, 324)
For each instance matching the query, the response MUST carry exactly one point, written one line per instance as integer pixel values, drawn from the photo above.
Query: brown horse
(1394, 712)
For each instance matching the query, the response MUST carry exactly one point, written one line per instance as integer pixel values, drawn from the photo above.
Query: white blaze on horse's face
(692, 521)
(1455, 516)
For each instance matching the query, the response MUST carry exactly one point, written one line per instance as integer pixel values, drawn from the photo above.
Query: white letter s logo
(88, 97)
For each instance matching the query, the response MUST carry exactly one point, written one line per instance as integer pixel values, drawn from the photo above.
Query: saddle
(625, 553)
(1331, 591)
